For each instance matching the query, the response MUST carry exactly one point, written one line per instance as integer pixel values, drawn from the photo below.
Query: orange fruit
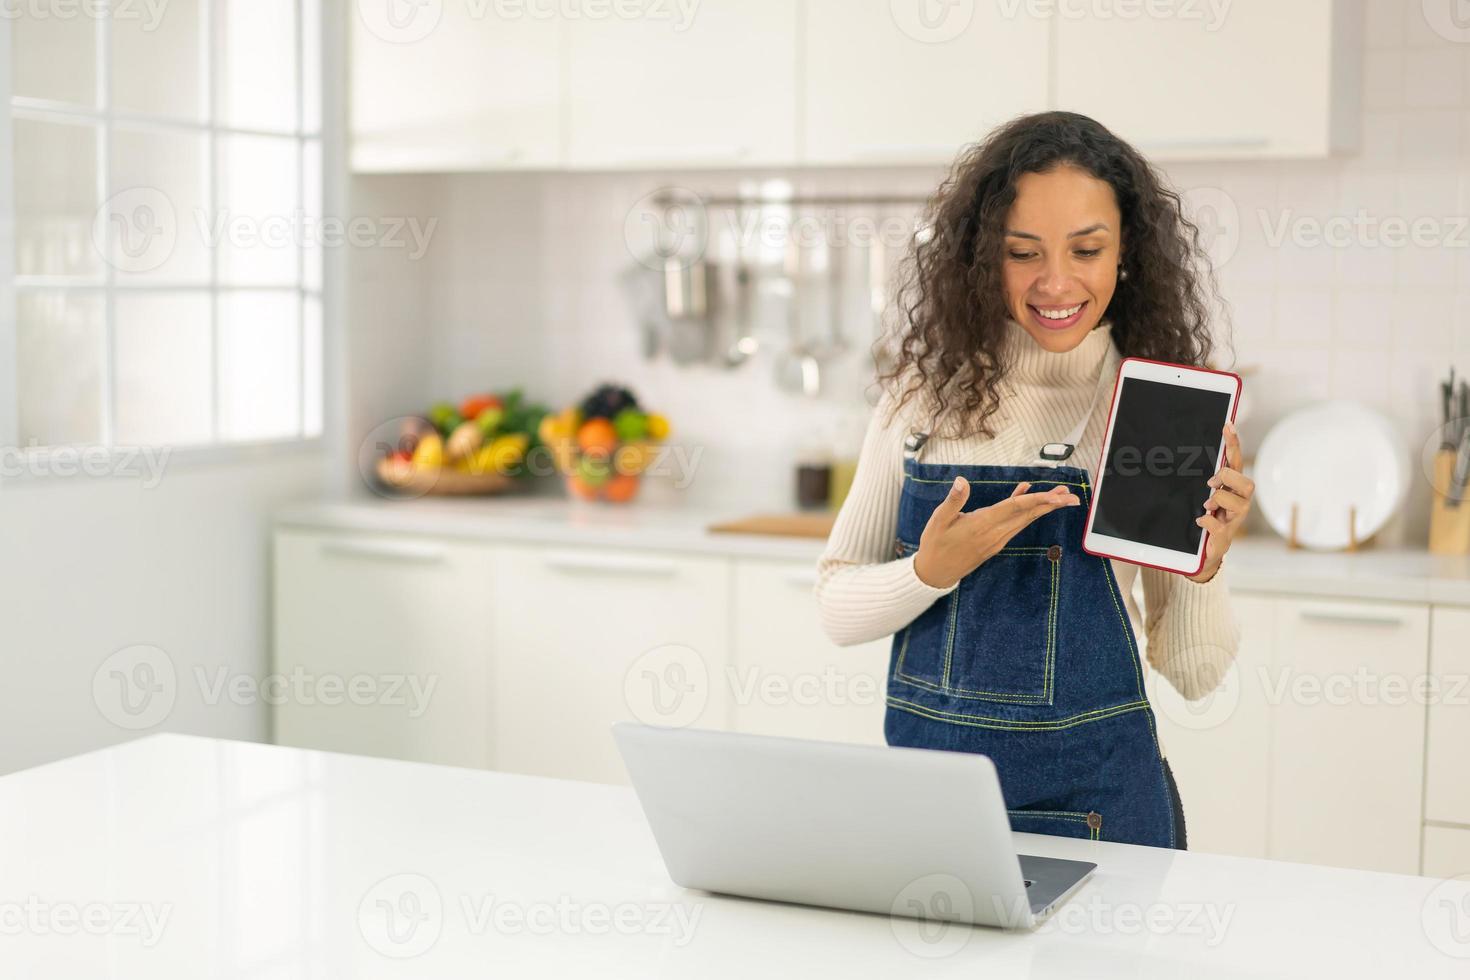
(580, 489)
(597, 436)
(621, 488)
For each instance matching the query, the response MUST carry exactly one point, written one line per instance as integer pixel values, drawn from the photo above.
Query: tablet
(1163, 443)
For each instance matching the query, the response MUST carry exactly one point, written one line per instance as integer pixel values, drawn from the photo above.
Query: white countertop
(181, 857)
(1256, 563)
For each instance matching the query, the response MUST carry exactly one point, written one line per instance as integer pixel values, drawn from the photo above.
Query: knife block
(1449, 522)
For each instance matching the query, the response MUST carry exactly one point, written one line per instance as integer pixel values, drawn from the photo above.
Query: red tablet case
(1107, 435)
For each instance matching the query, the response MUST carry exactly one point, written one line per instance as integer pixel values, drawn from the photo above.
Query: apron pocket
(1084, 824)
(1004, 643)
(921, 648)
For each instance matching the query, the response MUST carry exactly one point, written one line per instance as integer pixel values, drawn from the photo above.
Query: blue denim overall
(1031, 661)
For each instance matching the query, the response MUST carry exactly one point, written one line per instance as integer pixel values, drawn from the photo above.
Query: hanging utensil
(688, 294)
(834, 345)
(797, 371)
(642, 287)
(884, 357)
(742, 343)
(1448, 428)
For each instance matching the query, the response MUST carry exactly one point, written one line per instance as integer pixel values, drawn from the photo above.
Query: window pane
(257, 72)
(54, 56)
(58, 356)
(158, 213)
(259, 365)
(311, 165)
(55, 199)
(311, 65)
(157, 60)
(259, 204)
(311, 376)
(162, 362)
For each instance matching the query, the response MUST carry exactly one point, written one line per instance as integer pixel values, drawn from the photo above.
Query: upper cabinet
(895, 83)
(711, 83)
(477, 85)
(1255, 79)
(454, 86)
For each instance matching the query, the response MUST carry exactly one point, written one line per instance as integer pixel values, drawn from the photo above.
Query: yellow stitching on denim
(954, 615)
(1072, 721)
(1069, 814)
(1000, 696)
(1051, 633)
(1076, 816)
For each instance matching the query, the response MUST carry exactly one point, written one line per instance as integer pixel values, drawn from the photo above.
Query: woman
(1055, 251)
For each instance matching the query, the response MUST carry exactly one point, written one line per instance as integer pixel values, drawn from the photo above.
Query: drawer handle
(611, 564)
(396, 551)
(1348, 616)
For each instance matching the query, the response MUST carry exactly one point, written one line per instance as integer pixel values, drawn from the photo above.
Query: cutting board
(815, 524)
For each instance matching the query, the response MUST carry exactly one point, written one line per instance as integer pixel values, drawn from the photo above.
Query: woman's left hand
(1227, 507)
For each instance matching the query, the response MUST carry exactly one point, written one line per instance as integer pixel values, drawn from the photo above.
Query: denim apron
(1031, 660)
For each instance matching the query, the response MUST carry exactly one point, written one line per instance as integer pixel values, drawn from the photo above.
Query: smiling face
(1063, 243)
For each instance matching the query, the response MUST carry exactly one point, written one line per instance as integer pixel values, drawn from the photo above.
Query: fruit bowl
(603, 445)
(409, 480)
(476, 447)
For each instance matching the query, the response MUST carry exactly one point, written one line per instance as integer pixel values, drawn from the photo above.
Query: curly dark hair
(951, 303)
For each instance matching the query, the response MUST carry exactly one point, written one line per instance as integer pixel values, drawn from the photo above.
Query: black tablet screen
(1165, 442)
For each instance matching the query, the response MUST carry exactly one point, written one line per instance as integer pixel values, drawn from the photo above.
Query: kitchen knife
(1461, 473)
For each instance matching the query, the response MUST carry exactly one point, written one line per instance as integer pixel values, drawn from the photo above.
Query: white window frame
(329, 136)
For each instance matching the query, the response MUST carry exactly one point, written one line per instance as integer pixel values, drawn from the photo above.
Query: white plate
(1328, 458)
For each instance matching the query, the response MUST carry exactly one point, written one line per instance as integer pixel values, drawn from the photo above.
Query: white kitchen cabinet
(1348, 733)
(382, 646)
(785, 676)
(589, 636)
(461, 85)
(1446, 852)
(883, 84)
(1267, 79)
(719, 90)
(1219, 746)
(1447, 777)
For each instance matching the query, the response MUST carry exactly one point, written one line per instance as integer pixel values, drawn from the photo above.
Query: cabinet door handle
(404, 552)
(1351, 616)
(611, 564)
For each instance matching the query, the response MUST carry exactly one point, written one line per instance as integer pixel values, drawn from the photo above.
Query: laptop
(898, 831)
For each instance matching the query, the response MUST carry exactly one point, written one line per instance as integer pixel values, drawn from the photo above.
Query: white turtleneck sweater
(864, 593)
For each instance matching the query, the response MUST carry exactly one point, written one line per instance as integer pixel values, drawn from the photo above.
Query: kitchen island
(183, 857)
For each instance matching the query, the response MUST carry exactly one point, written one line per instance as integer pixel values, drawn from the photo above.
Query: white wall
(95, 565)
(520, 282)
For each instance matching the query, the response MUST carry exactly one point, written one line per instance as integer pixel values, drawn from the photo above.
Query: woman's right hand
(954, 544)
